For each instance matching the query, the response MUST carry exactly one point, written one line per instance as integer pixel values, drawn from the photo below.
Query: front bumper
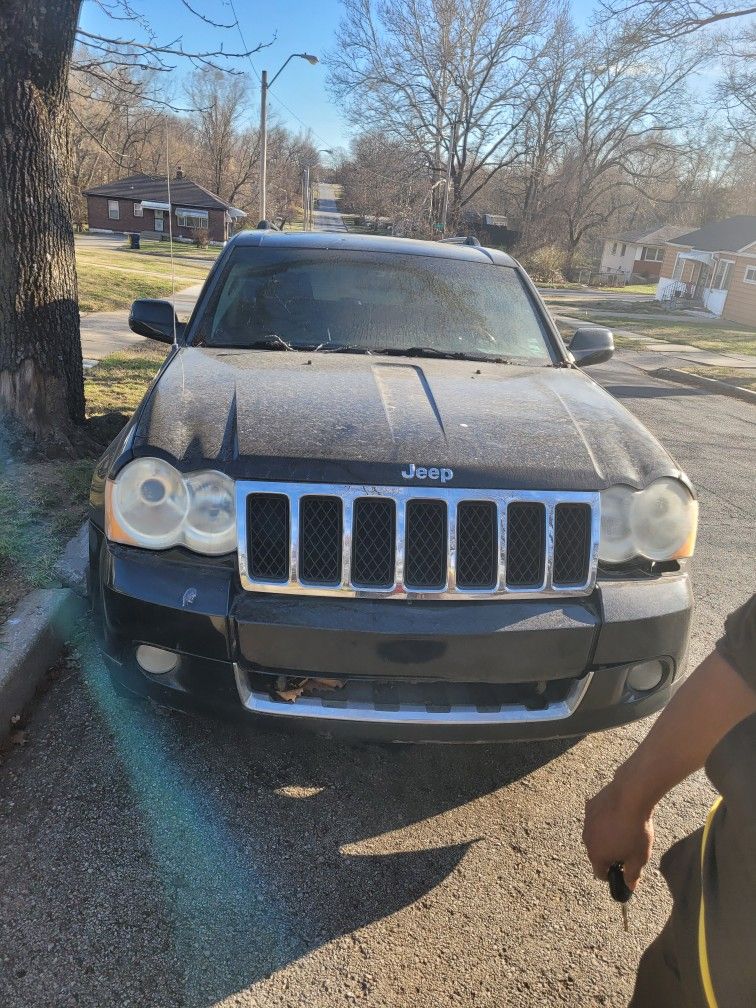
(464, 672)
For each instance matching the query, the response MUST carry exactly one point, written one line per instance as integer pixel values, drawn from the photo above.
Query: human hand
(617, 829)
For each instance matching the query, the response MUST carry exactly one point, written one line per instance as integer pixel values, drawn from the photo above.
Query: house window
(722, 275)
(679, 267)
(624, 248)
(614, 249)
(750, 275)
(191, 218)
(138, 210)
(114, 211)
(652, 253)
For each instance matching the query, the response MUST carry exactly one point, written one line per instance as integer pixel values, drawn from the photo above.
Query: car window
(373, 301)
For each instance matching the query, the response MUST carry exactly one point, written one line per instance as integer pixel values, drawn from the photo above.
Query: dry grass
(110, 279)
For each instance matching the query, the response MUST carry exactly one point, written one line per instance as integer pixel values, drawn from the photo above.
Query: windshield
(372, 302)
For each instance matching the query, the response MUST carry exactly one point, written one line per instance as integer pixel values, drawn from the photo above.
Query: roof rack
(462, 240)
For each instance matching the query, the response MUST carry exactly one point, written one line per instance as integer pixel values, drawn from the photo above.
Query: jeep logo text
(419, 472)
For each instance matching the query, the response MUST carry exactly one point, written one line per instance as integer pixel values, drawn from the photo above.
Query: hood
(345, 418)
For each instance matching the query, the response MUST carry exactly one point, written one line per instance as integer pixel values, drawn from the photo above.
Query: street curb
(687, 378)
(31, 641)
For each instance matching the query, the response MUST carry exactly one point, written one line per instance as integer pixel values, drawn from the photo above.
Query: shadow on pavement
(191, 859)
(653, 391)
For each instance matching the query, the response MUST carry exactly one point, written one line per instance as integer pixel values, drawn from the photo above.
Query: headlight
(616, 542)
(150, 504)
(658, 523)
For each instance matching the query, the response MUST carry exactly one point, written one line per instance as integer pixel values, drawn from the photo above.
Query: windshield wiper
(441, 354)
(272, 342)
(343, 348)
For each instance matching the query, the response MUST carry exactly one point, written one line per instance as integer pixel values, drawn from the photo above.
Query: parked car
(372, 491)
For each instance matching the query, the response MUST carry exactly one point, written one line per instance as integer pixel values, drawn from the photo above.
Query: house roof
(184, 192)
(656, 235)
(730, 235)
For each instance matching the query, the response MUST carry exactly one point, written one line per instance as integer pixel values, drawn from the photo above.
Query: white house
(640, 252)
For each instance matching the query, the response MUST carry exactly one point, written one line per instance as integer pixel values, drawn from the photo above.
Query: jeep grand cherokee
(371, 490)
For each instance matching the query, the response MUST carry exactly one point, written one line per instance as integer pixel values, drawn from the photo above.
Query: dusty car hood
(362, 419)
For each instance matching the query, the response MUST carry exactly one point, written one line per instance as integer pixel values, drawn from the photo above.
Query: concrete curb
(687, 378)
(31, 641)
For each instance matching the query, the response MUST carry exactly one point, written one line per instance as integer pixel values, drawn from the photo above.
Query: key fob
(617, 885)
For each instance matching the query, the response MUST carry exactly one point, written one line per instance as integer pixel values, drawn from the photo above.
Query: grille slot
(374, 542)
(268, 525)
(320, 534)
(425, 544)
(572, 543)
(526, 544)
(477, 545)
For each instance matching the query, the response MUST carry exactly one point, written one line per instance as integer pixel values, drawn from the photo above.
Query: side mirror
(592, 346)
(154, 319)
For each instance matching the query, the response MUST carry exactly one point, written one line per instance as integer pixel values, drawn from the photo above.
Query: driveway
(153, 860)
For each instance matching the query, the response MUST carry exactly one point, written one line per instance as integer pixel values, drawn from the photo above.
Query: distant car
(371, 491)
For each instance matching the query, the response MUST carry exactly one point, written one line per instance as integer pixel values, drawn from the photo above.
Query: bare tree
(450, 78)
(625, 107)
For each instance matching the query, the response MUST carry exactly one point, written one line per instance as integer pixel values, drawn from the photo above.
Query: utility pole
(450, 158)
(305, 198)
(265, 86)
(263, 143)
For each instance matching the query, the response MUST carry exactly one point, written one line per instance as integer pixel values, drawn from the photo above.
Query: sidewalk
(103, 333)
(728, 373)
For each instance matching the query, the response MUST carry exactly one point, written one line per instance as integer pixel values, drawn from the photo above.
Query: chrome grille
(416, 542)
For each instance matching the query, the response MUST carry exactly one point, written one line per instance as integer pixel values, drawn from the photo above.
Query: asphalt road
(152, 860)
(326, 216)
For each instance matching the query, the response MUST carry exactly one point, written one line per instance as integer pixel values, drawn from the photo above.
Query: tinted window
(374, 301)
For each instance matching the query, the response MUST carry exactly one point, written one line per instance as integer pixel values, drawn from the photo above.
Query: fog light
(155, 660)
(645, 676)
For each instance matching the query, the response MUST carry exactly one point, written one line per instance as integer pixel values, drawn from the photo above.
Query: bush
(546, 265)
(202, 238)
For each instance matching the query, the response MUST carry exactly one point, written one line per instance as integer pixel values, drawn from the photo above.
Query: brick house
(714, 267)
(140, 203)
(639, 252)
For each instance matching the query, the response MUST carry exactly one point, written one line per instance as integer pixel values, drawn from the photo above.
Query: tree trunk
(41, 380)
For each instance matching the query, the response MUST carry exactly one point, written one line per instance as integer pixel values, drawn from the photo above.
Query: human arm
(618, 820)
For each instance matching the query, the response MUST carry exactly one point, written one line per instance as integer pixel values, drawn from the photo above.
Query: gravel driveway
(149, 859)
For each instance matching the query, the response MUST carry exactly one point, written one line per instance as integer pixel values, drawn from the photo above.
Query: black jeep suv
(372, 491)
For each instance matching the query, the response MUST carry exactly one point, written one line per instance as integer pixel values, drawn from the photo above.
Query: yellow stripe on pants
(703, 955)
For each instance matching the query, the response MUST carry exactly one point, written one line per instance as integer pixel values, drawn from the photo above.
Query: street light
(265, 86)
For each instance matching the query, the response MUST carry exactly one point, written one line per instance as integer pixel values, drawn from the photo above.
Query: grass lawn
(44, 503)
(629, 289)
(726, 337)
(119, 381)
(112, 278)
(743, 377)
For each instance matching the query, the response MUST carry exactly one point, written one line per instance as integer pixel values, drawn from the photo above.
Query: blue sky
(289, 25)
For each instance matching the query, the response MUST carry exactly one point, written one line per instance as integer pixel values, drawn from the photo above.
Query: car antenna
(170, 232)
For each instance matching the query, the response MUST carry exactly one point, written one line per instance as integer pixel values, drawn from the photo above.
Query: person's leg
(657, 984)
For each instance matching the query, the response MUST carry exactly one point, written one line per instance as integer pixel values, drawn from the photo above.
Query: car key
(619, 889)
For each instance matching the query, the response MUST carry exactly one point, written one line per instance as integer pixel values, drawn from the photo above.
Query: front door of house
(159, 220)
